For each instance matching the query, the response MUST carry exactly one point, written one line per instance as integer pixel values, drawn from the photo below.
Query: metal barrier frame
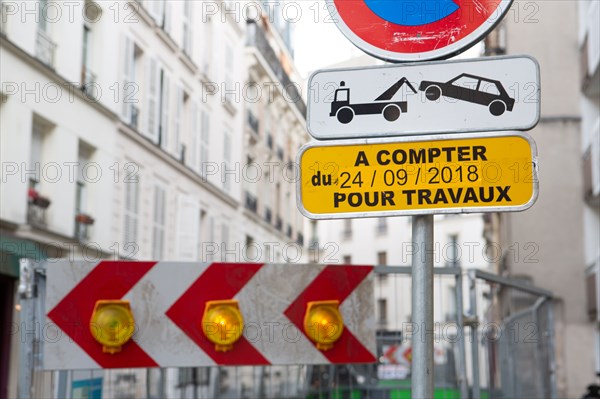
(544, 296)
(32, 291)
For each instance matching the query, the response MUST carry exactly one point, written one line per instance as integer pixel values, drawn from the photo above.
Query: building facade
(546, 245)
(145, 130)
(589, 52)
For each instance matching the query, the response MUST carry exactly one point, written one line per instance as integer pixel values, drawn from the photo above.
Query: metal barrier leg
(462, 363)
(551, 347)
(474, 334)
(27, 328)
(422, 308)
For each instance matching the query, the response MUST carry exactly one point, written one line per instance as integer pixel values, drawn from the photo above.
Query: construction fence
(493, 338)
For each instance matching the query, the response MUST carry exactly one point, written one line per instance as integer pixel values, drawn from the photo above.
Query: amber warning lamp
(323, 323)
(112, 324)
(222, 323)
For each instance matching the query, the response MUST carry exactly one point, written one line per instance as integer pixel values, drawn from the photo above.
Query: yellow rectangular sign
(483, 172)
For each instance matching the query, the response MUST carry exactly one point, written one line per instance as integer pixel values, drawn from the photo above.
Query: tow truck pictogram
(344, 111)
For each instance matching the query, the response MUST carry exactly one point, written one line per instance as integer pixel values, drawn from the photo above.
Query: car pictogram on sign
(473, 89)
(344, 111)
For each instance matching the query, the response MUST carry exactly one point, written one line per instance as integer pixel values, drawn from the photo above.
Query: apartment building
(130, 130)
(553, 235)
(589, 53)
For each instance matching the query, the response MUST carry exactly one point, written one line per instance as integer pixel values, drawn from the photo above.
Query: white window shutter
(167, 17)
(130, 217)
(188, 28)
(158, 232)
(164, 116)
(193, 161)
(177, 122)
(126, 77)
(205, 135)
(188, 219)
(152, 114)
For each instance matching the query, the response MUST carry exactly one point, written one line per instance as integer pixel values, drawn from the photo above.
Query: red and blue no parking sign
(414, 30)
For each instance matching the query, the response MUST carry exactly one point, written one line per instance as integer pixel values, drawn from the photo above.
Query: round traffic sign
(415, 30)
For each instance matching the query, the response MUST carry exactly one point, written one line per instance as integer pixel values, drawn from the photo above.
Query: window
(382, 226)
(467, 82)
(86, 54)
(81, 192)
(229, 62)
(382, 258)
(44, 46)
(203, 245)
(187, 28)
(36, 154)
(489, 87)
(251, 251)
(131, 217)
(347, 231)
(225, 234)
(342, 95)
(91, 14)
(347, 260)
(204, 137)
(382, 311)
(36, 202)
(165, 23)
(158, 223)
(42, 14)
(200, 138)
(225, 240)
(452, 252)
(156, 9)
(226, 160)
(208, 45)
(153, 97)
(131, 57)
(177, 123)
(195, 137)
(164, 109)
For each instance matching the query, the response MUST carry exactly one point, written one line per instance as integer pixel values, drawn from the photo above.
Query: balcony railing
(88, 80)
(251, 202)
(256, 38)
(36, 215)
(36, 206)
(135, 113)
(45, 48)
(83, 225)
(253, 122)
(82, 232)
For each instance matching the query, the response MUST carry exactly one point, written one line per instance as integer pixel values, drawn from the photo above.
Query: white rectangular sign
(483, 94)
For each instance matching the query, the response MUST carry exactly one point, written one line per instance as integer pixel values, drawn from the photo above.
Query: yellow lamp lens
(223, 323)
(323, 323)
(112, 324)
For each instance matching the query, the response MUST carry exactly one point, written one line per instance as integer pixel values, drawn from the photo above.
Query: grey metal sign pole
(422, 307)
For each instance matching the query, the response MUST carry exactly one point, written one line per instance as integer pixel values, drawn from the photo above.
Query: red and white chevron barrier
(168, 300)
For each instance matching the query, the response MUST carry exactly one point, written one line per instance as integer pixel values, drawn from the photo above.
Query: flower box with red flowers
(84, 219)
(36, 199)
